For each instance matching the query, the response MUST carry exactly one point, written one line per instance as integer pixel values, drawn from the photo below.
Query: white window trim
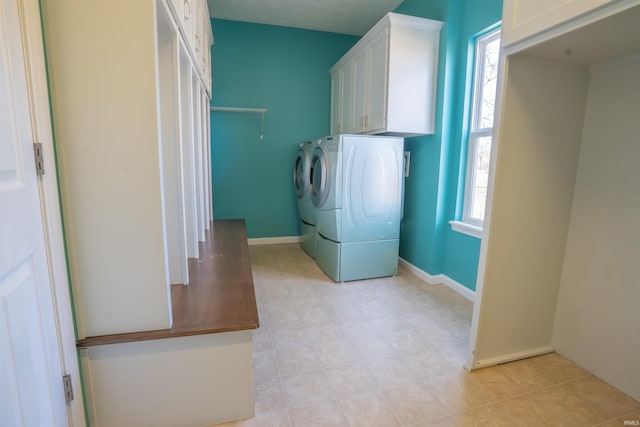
(469, 225)
(466, 228)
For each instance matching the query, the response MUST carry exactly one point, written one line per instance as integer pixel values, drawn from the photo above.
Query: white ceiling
(337, 16)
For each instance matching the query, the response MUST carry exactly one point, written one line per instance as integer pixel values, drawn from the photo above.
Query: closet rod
(260, 111)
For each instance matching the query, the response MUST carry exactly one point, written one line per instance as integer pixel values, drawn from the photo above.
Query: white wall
(597, 320)
(102, 70)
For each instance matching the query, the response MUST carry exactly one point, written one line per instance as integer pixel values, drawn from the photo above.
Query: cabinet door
(187, 20)
(336, 102)
(207, 65)
(360, 64)
(524, 18)
(376, 98)
(348, 89)
(198, 30)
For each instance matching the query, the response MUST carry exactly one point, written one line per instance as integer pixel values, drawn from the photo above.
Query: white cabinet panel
(377, 82)
(171, 382)
(370, 86)
(172, 171)
(336, 101)
(360, 66)
(347, 98)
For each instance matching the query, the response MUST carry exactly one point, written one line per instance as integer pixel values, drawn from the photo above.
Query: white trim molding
(509, 358)
(438, 279)
(40, 110)
(466, 228)
(273, 240)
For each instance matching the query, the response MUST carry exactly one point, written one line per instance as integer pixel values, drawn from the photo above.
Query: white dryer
(302, 186)
(356, 189)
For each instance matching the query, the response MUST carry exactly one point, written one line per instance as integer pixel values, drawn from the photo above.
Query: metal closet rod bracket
(260, 111)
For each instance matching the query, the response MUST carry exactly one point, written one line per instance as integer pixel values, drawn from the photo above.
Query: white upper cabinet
(526, 18)
(192, 19)
(388, 79)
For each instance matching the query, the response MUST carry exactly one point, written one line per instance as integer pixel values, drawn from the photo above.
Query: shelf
(260, 111)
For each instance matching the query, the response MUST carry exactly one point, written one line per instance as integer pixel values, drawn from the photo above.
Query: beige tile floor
(389, 352)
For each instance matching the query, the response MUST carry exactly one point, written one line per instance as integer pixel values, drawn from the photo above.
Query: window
(487, 50)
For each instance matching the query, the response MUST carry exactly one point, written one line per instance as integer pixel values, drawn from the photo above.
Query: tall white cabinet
(129, 84)
(558, 264)
(371, 90)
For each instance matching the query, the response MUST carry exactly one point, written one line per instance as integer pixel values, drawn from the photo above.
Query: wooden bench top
(219, 298)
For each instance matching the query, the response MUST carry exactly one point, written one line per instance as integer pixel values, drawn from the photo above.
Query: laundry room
(299, 212)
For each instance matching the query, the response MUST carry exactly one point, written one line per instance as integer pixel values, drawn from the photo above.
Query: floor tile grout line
(506, 416)
(395, 414)
(530, 392)
(334, 398)
(453, 413)
(376, 389)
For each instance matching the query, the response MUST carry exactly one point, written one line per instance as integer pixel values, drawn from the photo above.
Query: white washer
(357, 188)
(302, 183)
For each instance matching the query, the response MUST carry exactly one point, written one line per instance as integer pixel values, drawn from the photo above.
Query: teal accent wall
(433, 189)
(420, 231)
(286, 71)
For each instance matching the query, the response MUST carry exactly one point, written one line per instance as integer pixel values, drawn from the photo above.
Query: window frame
(468, 223)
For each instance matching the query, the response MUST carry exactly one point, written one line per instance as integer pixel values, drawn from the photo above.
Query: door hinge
(68, 388)
(39, 157)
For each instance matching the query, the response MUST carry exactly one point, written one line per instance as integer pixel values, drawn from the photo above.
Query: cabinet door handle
(187, 10)
(361, 121)
(366, 121)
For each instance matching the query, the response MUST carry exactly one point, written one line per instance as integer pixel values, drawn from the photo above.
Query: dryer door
(320, 177)
(301, 174)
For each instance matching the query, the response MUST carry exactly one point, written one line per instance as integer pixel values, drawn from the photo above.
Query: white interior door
(31, 392)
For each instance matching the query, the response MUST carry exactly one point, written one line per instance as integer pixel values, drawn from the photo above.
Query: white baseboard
(491, 361)
(438, 279)
(273, 240)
